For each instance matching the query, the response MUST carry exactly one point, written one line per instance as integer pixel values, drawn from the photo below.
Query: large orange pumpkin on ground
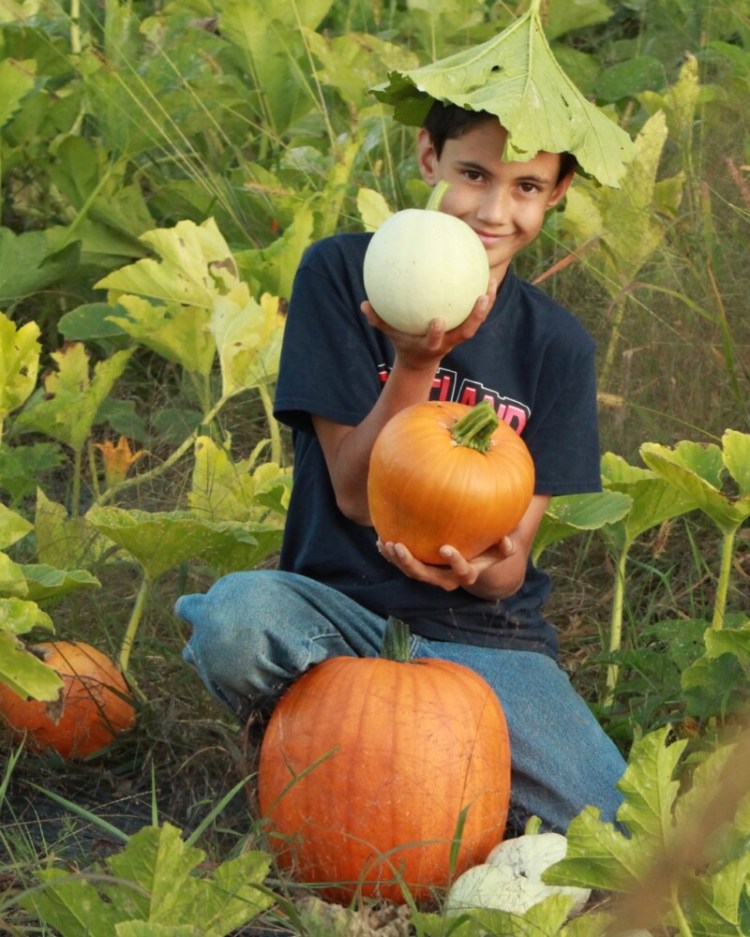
(94, 705)
(447, 473)
(377, 776)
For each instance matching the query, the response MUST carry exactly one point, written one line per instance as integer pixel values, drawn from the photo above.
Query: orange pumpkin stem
(476, 428)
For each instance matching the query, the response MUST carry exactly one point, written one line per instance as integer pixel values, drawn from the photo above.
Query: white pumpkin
(511, 878)
(421, 265)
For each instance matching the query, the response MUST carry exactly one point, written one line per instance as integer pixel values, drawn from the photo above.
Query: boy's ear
(427, 157)
(560, 189)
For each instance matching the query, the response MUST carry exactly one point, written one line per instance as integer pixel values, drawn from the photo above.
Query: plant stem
(273, 426)
(75, 27)
(476, 428)
(615, 627)
(682, 922)
(135, 619)
(75, 504)
(722, 587)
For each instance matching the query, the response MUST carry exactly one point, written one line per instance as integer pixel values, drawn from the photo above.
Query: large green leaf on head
(516, 76)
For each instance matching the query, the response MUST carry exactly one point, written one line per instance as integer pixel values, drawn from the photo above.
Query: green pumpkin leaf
(719, 905)
(516, 77)
(155, 886)
(34, 259)
(653, 499)
(160, 541)
(736, 454)
(562, 16)
(64, 542)
(71, 905)
(12, 579)
(91, 321)
(696, 471)
(13, 527)
(598, 855)
(22, 466)
(22, 671)
(568, 515)
(627, 79)
(47, 582)
(16, 80)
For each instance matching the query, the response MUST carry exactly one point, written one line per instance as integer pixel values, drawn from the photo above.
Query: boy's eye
(529, 187)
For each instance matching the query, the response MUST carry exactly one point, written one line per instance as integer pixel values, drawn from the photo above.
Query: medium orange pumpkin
(93, 707)
(371, 770)
(447, 473)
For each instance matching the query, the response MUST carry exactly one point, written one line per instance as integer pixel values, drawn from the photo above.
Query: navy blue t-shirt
(531, 358)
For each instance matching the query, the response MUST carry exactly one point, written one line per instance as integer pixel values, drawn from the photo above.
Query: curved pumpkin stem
(437, 195)
(396, 640)
(476, 428)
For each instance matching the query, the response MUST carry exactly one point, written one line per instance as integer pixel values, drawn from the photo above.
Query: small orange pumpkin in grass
(94, 705)
(379, 775)
(447, 473)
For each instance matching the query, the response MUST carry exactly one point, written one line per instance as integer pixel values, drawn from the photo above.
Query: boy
(344, 373)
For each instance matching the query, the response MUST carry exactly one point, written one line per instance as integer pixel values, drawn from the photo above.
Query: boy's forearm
(500, 580)
(347, 449)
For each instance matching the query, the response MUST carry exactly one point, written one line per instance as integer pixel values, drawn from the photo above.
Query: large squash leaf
(516, 76)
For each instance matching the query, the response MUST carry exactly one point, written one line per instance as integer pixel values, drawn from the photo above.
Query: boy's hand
(416, 351)
(458, 572)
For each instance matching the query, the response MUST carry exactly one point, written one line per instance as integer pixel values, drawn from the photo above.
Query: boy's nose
(495, 208)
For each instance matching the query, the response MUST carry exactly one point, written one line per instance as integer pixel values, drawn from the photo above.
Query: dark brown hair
(449, 121)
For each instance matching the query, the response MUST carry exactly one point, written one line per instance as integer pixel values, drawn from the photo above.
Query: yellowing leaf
(226, 490)
(19, 364)
(373, 208)
(626, 221)
(67, 409)
(516, 77)
(248, 339)
(173, 331)
(195, 265)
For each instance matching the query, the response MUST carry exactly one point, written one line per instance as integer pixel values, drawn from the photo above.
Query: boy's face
(504, 202)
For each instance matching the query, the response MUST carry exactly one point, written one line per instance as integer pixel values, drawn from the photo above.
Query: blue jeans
(253, 633)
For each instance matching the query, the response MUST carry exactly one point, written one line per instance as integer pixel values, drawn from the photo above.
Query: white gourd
(421, 265)
(511, 878)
